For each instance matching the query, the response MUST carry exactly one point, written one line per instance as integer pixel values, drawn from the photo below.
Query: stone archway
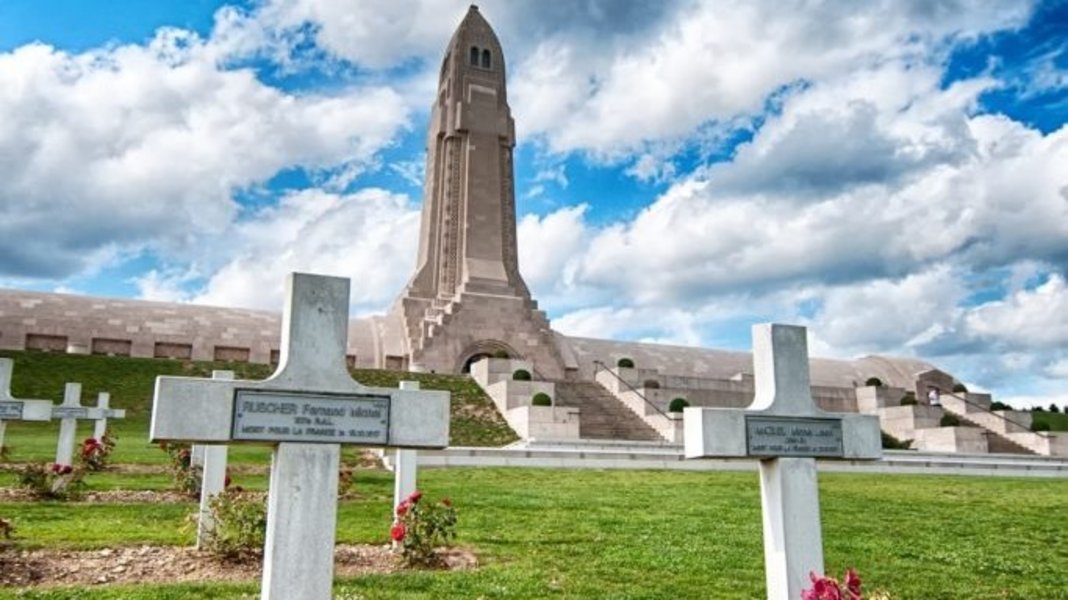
(483, 349)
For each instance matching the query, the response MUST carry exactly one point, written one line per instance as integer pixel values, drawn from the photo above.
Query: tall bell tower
(467, 297)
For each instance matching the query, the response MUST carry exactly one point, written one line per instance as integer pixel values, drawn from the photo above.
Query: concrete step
(995, 441)
(964, 439)
(602, 416)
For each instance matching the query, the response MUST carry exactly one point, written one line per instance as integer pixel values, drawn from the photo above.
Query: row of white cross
(69, 412)
(310, 406)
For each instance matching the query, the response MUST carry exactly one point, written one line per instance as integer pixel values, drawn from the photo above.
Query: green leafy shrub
(651, 384)
(240, 525)
(1040, 426)
(960, 388)
(541, 399)
(521, 375)
(892, 443)
(1053, 408)
(909, 399)
(96, 454)
(625, 363)
(52, 482)
(187, 476)
(677, 404)
(500, 354)
(995, 405)
(420, 528)
(874, 381)
(949, 420)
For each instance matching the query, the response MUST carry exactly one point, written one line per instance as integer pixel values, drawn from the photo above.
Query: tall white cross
(103, 403)
(308, 407)
(13, 409)
(69, 413)
(785, 429)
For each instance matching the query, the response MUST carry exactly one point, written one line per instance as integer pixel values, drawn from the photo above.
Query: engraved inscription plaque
(274, 416)
(69, 412)
(786, 436)
(10, 410)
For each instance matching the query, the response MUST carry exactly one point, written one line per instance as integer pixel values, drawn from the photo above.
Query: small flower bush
(240, 524)
(96, 454)
(420, 527)
(829, 588)
(52, 482)
(187, 476)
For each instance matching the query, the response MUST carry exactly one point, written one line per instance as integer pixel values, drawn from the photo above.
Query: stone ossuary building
(467, 301)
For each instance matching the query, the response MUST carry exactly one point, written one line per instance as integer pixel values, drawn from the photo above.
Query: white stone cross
(13, 409)
(405, 466)
(308, 407)
(785, 429)
(103, 402)
(69, 413)
(212, 475)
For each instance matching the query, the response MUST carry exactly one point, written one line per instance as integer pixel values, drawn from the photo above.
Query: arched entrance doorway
(484, 349)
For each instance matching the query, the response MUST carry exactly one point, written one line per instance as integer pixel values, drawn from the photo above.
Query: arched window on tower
(474, 56)
(485, 59)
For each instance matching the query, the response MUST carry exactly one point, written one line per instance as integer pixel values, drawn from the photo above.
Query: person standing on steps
(933, 397)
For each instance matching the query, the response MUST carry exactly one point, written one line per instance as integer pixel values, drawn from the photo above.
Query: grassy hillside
(475, 421)
(1056, 421)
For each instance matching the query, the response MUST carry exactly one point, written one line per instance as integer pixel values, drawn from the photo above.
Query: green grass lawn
(130, 381)
(1056, 421)
(559, 533)
(641, 534)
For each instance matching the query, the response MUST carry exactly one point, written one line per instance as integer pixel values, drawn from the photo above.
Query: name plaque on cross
(785, 436)
(11, 411)
(70, 412)
(277, 416)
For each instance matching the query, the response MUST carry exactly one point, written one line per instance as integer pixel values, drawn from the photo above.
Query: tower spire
(467, 241)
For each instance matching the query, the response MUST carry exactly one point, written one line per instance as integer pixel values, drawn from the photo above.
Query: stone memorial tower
(467, 298)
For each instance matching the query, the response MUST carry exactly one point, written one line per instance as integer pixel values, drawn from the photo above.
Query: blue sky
(894, 176)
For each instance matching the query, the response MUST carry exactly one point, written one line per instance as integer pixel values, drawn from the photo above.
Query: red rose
(852, 581)
(226, 481)
(66, 470)
(416, 495)
(56, 467)
(397, 532)
(402, 508)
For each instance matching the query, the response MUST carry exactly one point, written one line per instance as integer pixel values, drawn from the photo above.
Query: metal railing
(986, 410)
(599, 366)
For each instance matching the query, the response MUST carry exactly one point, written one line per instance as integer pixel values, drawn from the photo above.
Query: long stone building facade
(466, 299)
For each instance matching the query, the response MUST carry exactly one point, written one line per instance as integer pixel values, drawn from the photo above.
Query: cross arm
(192, 409)
(724, 433)
(25, 410)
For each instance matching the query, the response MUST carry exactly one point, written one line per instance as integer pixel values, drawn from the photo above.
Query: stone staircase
(603, 416)
(1007, 430)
